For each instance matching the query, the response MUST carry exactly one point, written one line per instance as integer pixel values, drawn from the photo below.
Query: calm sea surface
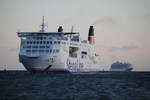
(23, 85)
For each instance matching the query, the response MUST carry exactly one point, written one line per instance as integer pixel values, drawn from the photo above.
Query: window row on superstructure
(43, 42)
(37, 38)
(36, 46)
(44, 38)
(48, 51)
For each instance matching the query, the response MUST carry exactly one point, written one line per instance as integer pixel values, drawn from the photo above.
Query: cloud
(105, 20)
(124, 48)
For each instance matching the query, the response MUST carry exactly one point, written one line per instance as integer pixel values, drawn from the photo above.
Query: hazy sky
(122, 27)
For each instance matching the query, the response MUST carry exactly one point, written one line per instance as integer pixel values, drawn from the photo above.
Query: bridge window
(27, 42)
(28, 50)
(41, 50)
(50, 50)
(44, 37)
(47, 50)
(28, 46)
(55, 42)
(63, 42)
(47, 46)
(34, 50)
(42, 46)
(34, 42)
(34, 46)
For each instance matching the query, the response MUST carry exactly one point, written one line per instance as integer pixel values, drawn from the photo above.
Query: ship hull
(42, 63)
(126, 70)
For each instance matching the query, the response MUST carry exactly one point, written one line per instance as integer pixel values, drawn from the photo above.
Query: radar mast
(43, 25)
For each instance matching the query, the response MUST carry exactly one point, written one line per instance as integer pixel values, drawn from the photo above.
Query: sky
(122, 27)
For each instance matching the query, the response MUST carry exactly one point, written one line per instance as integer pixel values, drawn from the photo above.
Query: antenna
(43, 25)
(72, 29)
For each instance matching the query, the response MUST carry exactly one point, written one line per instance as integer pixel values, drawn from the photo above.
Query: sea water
(23, 85)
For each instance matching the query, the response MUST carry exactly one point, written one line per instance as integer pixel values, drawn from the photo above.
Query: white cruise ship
(120, 66)
(58, 51)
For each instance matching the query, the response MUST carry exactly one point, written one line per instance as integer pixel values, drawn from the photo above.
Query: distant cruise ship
(119, 66)
(58, 51)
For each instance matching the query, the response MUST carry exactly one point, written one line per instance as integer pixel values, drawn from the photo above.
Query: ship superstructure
(58, 51)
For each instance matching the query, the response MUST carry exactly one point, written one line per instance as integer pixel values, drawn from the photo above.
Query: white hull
(125, 69)
(43, 63)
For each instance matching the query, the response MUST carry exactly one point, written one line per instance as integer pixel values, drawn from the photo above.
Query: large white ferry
(58, 51)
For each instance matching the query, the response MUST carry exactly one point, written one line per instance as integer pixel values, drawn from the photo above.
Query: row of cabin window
(51, 51)
(39, 46)
(38, 38)
(42, 42)
(42, 38)
(36, 46)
